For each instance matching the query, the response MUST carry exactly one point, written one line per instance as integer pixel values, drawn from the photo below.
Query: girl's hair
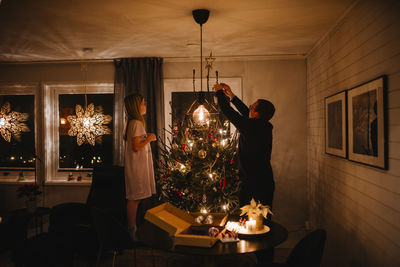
(132, 111)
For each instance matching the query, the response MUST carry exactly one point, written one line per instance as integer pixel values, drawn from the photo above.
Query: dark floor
(168, 259)
(161, 258)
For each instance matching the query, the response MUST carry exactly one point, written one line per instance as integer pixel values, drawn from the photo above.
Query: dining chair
(112, 235)
(307, 253)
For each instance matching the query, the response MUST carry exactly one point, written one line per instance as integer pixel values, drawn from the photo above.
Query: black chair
(307, 253)
(71, 233)
(111, 235)
(107, 191)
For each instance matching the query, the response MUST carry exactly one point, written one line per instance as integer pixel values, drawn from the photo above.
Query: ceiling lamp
(11, 123)
(201, 114)
(87, 124)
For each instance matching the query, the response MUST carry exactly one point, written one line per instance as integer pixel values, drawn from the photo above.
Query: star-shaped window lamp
(12, 123)
(88, 125)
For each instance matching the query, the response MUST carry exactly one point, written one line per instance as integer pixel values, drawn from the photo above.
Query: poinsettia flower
(255, 209)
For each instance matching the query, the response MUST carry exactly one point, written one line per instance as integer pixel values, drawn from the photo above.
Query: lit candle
(251, 225)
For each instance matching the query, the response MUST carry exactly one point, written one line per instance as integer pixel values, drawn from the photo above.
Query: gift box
(178, 223)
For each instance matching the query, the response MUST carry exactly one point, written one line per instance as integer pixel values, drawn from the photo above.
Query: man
(255, 144)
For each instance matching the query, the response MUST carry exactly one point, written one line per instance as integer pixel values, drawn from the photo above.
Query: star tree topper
(11, 123)
(87, 125)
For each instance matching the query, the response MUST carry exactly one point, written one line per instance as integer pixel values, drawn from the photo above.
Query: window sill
(15, 181)
(68, 183)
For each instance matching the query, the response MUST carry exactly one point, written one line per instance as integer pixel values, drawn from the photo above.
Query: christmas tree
(198, 169)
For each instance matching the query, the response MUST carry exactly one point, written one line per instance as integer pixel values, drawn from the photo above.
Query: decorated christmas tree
(198, 168)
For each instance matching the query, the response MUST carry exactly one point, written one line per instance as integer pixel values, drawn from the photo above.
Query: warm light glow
(223, 142)
(63, 121)
(235, 227)
(86, 122)
(12, 157)
(87, 125)
(204, 211)
(201, 115)
(224, 207)
(11, 123)
(251, 225)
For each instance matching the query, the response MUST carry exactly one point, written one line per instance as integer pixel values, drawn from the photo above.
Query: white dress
(139, 173)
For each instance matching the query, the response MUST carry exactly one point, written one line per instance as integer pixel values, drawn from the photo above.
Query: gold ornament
(87, 125)
(202, 153)
(11, 123)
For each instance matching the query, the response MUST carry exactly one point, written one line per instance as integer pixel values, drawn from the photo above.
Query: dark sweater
(255, 146)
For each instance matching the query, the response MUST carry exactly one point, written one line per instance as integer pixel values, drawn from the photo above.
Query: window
(65, 159)
(85, 156)
(18, 131)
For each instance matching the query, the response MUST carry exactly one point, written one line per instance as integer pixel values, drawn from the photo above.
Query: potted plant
(256, 211)
(30, 192)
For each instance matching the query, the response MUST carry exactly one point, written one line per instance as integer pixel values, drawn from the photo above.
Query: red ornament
(215, 139)
(222, 183)
(184, 146)
(209, 134)
(179, 193)
(197, 200)
(232, 161)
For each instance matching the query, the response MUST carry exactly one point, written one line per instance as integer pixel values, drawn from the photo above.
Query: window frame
(52, 90)
(27, 88)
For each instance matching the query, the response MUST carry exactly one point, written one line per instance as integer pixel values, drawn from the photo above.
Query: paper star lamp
(11, 123)
(88, 125)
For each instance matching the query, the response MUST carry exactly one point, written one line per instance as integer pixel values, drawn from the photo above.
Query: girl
(139, 173)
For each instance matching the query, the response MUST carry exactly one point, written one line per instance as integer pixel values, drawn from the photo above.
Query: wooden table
(157, 238)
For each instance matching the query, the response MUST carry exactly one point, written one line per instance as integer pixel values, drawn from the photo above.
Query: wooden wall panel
(358, 205)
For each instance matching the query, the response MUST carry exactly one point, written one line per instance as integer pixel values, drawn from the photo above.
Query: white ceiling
(47, 30)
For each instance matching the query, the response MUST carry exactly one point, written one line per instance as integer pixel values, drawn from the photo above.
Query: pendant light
(201, 113)
(88, 123)
(12, 123)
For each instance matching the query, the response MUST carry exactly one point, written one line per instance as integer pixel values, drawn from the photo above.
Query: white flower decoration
(255, 209)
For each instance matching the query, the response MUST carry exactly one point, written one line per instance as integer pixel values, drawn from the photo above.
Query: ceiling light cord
(201, 57)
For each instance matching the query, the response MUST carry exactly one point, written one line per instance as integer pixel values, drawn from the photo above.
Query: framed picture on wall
(367, 133)
(335, 125)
